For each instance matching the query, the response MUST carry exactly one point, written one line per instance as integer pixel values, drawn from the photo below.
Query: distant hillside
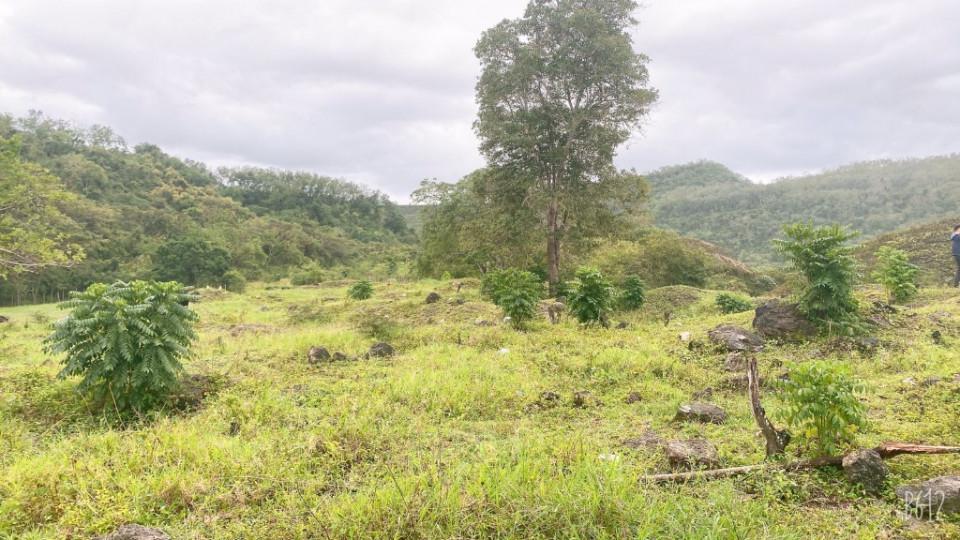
(708, 201)
(927, 245)
(134, 209)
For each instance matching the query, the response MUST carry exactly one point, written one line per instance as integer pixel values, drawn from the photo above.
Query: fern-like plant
(731, 303)
(126, 340)
(361, 290)
(591, 298)
(897, 275)
(633, 293)
(822, 405)
(825, 259)
(516, 292)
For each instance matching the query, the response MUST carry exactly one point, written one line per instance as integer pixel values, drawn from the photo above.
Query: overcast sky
(381, 91)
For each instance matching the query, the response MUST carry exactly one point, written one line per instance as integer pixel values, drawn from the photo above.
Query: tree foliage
(897, 275)
(516, 292)
(126, 340)
(560, 89)
(824, 257)
(32, 228)
(191, 260)
(633, 293)
(822, 405)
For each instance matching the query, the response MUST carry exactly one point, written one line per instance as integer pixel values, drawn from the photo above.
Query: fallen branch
(776, 440)
(886, 451)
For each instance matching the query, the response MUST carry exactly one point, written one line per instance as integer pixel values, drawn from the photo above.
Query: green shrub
(633, 293)
(126, 341)
(731, 303)
(361, 290)
(591, 298)
(824, 258)
(308, 275)
(234, 281)
(516, 292)
(376, 326)
(896, 274)
(822, 405)
(446, 276)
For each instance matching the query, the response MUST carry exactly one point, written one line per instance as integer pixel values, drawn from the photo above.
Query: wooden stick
(775, 442)
(886, 451)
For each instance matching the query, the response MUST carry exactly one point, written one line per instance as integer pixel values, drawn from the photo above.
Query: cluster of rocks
(549, 399)
(135, 532)
(321, 355)
(683, 454)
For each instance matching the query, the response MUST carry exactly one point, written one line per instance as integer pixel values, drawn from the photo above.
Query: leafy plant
(516, 292)
(822, 405)
(376, 326)
(633, 293)
(310, 274)
(731, 303)
(897, 275)
(234, 281)
(361, 290)
(824, 258)
(591, 298)
(126, 341)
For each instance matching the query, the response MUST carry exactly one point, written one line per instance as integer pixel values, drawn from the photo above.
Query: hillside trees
(561, 88)
(31, 225)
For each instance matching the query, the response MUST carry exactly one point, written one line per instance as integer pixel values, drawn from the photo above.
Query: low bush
(896, 274)
(731, 303)
(126, 340)
(633, 293)
(591, 298)
(822, 405)
(234, 281)
(361, 290)
(516, 292)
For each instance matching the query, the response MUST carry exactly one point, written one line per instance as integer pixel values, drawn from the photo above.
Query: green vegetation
(591, 297)
(706, 200)
(126, 340)
(516, 292)
(822, 405)
(824, 257)
(633, 293)
(896, 274)
(927, 247)
(139, 213)
(361, 290)
(733, 303)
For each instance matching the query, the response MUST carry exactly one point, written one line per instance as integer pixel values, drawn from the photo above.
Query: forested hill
(708, 201)
(138, 212)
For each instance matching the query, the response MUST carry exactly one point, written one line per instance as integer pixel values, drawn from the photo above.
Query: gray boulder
(381, 350)
(780, 320)
(4, 319)
(136, 532)
(433, 298)
(692, 454)
(866, 467)
(318, 355)
(734, 338)
(704, 413)
(937, 496)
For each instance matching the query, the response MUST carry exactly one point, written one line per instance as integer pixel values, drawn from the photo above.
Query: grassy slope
(441, 441)
(927, 245)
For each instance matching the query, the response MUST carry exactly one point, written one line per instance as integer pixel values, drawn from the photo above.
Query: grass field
(450, 438)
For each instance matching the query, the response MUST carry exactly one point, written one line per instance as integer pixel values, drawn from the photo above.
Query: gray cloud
(382, 91)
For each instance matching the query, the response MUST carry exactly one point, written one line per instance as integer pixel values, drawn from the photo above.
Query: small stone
(504, 351)
(4, 319)
(582, 398)
(318, 355)
(381, 350)
(340, 357)
(623, 325)
(867, 344)
(866, 468)
(705, 413)
(931, 381)
(433, 298)
(692, 454)
(459, 301)
(735, 362)
(649, 440)
(482, 322)
(633, 397)
(910, 381)
(936, 496)
(136, 532)
(936, 336)
(684, 337)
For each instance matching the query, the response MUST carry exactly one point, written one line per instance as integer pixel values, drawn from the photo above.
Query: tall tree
(561, 88)
(31, 226)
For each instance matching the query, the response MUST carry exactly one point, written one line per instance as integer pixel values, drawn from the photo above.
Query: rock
(867, 344)
(778, 320)
(633, 397)
(381, 350)
(910, 381)
(866, 468)
(482, 322)
(136, 532)
(692, 454)
(933, 497)
(684, 337)
(549, 397)
(623, 325)
(701, 412)
(4, 319)
(931, 381)
(458, 301)
(318, 355)
(340, 357)
(704, 395)
(581, 399)
(433, 298)
(735, 362)
(649, 440)
(735, 338)
(191, 392)
(936, 336)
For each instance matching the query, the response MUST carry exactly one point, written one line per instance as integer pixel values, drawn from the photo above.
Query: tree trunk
(553, 246)
(775, 440)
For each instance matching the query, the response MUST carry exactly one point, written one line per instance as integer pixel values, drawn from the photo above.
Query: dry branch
(776, 441)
